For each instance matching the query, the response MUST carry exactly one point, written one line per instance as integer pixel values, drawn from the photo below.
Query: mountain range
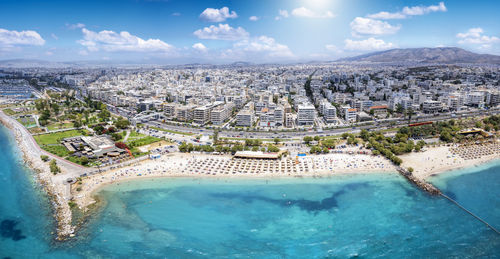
(446, 55)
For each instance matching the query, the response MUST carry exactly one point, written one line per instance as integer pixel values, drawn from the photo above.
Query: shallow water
(369, 216)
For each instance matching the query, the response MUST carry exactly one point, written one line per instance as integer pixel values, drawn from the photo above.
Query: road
(380, 124)
(31, 146)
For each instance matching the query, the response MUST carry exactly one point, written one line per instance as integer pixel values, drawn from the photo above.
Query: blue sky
(175, 31)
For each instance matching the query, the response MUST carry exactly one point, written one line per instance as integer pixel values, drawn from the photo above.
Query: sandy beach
(217, 166)
(441, 159)
(431, 161)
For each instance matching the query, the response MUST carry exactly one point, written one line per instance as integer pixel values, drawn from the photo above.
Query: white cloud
(475, 36)
(409, 11)
(420, 10)
(369, 26)
(75, 26)
(282, 14)
(387, 16)
(304, 12)
(83, 52)
(176, 14)
(253, 18)
(263, 48)
(368, 44)
(217, 15)
(123, 41)
(49, 53)
(199, 46)
(14, 38)
(333, 48)
(221, 32)
(54, 36)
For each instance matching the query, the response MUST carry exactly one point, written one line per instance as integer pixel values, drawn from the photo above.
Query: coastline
(180, 165)
(56, 191)
(438, 160)
(433, 161)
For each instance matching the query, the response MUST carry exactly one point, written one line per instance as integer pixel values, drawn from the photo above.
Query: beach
(435, 160)
(432, 161)
(224, 166)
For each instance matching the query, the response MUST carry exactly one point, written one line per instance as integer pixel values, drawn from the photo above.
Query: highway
(374, 125)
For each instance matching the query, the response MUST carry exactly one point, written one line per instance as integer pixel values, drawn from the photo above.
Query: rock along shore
(53, 185)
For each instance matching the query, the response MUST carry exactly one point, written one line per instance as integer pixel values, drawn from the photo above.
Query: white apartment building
(279, 116)
(475, 99)
(201, 115)
(306, 114)
(169, 109)
(245, 118)
(219, 115)
(349, 113)
(329, 111)
(431, 106)
(289, 120)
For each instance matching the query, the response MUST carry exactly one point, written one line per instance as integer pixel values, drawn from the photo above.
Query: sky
(258, 31)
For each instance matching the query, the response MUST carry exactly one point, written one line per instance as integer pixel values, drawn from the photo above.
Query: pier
(433, 190)
(429, 188)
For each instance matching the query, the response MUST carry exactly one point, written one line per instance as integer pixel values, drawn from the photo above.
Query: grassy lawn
(9, 112)
(143, 141)
(56, 126)
(58, 150)
(137, 153)
(173, 131)
(261, 139)
(36, 130)
(27, 122)
(56, 137)
(135, 136)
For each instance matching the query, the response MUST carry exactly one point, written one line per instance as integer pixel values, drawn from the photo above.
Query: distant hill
(427, 55)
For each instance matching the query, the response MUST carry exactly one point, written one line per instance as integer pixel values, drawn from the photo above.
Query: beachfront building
(329, 112)
(306, 114)
(349, 113)
(201, 115)
(245, 118)
(431, 106)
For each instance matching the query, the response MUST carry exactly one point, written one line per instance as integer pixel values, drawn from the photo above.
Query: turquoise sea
(365, 216)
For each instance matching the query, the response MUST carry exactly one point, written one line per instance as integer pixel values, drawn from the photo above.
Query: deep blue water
(366, 216)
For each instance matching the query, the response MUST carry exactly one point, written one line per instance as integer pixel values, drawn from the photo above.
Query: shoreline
(433, 161)
(439, 160)
(43, 176)
(180, 165)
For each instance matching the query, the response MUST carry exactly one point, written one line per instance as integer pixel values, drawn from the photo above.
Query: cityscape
(266, 147)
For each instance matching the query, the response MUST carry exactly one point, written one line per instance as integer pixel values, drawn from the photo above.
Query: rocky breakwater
(54, 186)
(429, 188)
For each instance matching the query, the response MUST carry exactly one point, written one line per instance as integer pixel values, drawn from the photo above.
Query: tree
(307, 139)
(116, 136)
(399, 108)
(410, 169)
(122, 123)
(84, 160)
(44, 158)
(272, 148)
(216, 136)
(364, 134)
(121, 145)
(276, 140)
(410, 113)
(446, 135)
(53, 167)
